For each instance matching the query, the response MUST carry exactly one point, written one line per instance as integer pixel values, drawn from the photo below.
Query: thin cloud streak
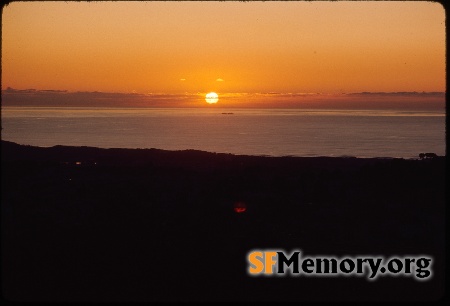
(359, 100)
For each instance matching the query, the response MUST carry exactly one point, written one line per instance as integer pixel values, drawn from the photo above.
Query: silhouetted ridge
(90, 224)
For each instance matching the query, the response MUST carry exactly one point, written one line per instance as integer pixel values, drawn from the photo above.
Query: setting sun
(212, 98)
(112, 134)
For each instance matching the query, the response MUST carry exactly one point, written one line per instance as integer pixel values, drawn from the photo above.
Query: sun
(212, 98)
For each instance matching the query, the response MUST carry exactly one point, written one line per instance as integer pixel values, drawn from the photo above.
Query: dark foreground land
(88, 224)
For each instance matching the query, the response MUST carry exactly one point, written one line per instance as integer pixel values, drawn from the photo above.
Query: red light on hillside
(240, 207)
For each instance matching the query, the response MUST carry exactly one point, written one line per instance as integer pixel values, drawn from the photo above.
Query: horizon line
(270, 93)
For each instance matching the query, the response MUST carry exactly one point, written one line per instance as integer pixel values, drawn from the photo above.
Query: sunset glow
(185, 48)
(151, 149)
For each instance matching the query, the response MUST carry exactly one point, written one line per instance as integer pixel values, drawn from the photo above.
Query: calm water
(251, 132)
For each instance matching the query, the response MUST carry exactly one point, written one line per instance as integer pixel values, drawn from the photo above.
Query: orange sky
(177, 47)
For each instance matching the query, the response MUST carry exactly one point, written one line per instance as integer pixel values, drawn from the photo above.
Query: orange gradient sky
(247, 47)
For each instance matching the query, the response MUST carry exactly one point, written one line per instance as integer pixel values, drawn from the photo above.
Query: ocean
(269, 132)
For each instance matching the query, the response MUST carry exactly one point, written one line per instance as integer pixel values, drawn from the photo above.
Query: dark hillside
(89, 224)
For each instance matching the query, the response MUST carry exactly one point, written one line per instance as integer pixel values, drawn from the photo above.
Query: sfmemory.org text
(278, 263)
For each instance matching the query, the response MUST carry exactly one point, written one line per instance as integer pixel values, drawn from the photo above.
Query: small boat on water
(227, 113)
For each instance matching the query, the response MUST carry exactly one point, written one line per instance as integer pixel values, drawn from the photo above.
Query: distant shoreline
(85, 152)
(15, 151)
